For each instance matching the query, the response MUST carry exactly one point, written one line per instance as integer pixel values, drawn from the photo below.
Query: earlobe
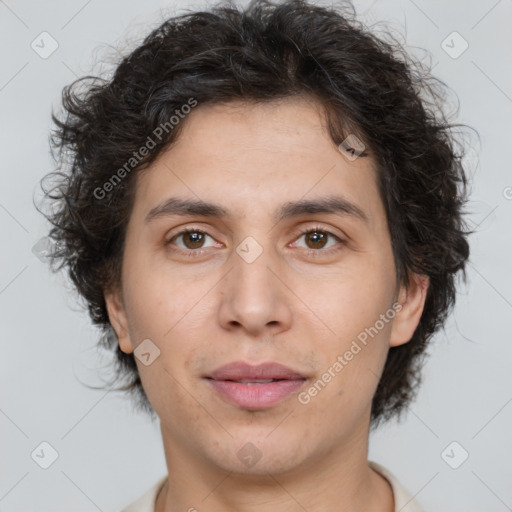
(412, 299)
(118, 320)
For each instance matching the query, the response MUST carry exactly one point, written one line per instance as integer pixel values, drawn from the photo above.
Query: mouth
(255, 387)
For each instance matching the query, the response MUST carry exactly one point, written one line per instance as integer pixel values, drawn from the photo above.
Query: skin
(289, 305)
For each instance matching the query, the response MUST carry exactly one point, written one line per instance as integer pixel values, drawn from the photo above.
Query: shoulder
(404, 502)
(146, 503)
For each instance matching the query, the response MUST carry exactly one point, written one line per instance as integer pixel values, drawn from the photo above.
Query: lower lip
(256, 396)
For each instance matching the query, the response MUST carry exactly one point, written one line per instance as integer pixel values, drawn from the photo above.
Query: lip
(255, 396)
(239, 370)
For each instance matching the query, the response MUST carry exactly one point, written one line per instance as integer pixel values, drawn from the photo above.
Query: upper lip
(239, 370)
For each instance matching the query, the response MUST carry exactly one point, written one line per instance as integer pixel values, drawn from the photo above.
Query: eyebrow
(196, 207)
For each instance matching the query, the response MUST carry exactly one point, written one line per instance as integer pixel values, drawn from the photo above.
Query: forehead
(246, 156)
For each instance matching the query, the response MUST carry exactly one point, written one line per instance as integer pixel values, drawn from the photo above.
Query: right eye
(192, 240)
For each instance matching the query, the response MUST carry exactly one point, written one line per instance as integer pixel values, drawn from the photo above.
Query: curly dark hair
(367, 85)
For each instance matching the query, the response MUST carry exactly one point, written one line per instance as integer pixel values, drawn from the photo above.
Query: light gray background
(108, 455)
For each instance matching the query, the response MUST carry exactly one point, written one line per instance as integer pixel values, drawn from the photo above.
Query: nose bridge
(253, 296)
(252, 277)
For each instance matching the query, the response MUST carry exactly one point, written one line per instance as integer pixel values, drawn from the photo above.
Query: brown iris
(318, 238)
(196, 239)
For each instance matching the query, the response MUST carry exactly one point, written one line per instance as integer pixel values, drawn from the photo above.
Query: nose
(255, 298)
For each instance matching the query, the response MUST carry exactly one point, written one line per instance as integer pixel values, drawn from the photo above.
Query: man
(265, 219)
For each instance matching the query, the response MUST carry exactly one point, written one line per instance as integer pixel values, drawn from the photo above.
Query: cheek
(166, 310)
(155, 302)
(162, 291)
(351, 300)
(356, 310)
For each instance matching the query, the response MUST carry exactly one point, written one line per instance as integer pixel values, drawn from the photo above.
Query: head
(333, 226)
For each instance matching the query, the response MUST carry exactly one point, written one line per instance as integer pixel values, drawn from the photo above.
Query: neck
(338, 480)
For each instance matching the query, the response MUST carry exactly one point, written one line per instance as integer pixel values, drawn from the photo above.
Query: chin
(260, 454)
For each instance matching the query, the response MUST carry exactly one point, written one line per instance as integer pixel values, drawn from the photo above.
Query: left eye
(318, 239)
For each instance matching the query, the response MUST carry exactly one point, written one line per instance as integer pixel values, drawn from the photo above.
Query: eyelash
(196, 253)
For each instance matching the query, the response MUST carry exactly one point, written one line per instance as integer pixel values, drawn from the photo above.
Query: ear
(412, 299)
(118, 319)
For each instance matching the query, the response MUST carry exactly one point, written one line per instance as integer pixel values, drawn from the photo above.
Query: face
(272, 279)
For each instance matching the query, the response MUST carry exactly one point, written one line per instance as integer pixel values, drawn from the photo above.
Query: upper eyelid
(188, 230)
(300, 231)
